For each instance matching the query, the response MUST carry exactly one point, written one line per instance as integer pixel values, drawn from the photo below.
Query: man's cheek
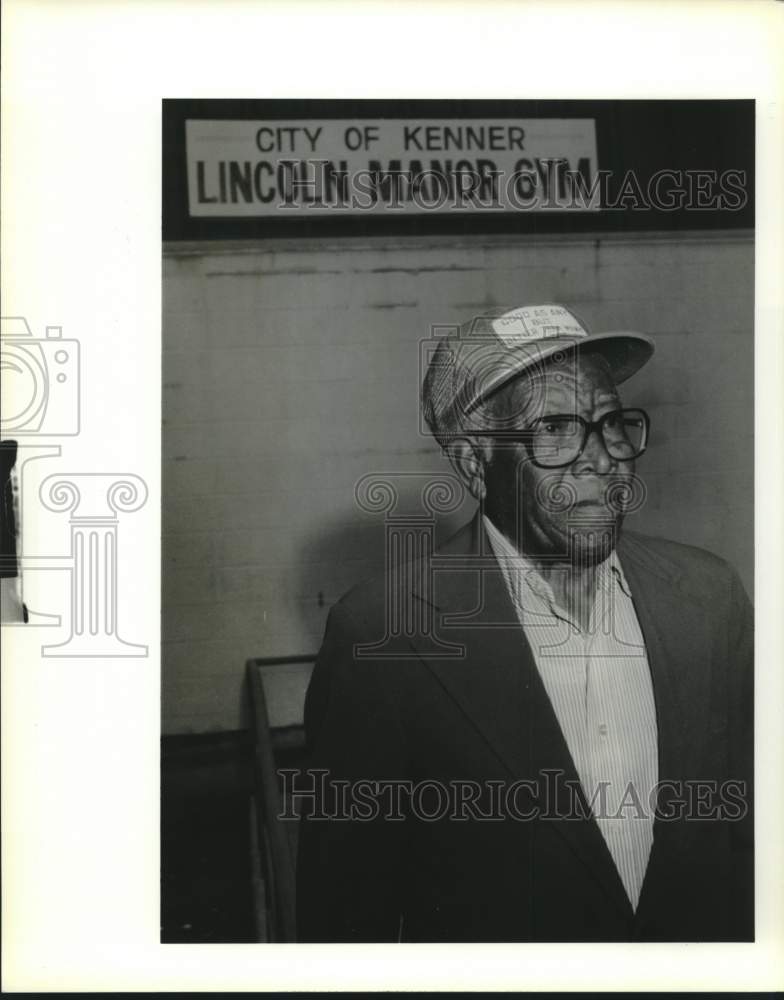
(539, 522)
(551, 494)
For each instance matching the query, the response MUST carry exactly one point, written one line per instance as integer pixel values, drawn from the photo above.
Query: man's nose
(595, 457)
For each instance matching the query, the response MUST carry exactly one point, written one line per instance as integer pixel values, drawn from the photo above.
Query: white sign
(258, 169)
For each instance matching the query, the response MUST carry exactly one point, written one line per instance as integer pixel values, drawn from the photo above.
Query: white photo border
(81, 190)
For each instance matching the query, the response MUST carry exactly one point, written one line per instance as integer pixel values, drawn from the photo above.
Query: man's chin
(591, 544)
(575, 544)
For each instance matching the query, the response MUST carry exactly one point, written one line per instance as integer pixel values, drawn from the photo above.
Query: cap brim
(625, 352)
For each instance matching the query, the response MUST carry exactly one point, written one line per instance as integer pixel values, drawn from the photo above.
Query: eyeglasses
(558, 439)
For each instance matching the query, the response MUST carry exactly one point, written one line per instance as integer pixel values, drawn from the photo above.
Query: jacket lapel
(497, 685)
(673, 624)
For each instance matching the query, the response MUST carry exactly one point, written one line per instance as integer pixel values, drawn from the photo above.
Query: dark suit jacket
(476, 710)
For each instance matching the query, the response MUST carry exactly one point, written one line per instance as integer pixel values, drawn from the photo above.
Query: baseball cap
(478, 358)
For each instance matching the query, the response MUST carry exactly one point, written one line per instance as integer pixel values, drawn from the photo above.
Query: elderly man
(562, 750)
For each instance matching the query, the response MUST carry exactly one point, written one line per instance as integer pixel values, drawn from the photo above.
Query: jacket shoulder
(363, 606)
(366, 603)
(695, 569)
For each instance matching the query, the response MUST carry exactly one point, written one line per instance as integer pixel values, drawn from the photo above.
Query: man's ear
(469, 457)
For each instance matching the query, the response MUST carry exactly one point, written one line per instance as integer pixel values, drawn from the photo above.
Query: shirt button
(603, 729)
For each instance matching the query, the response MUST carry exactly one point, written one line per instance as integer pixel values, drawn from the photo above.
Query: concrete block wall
(291, 372)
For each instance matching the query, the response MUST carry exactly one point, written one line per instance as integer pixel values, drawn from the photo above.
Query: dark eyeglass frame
(525, 437)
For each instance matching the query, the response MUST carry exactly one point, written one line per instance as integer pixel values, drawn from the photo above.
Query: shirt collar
(519, 570)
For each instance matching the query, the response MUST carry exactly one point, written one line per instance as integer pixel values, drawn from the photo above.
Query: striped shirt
(599, 683)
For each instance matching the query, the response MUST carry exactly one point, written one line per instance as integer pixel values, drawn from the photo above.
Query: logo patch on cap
(537, 323)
